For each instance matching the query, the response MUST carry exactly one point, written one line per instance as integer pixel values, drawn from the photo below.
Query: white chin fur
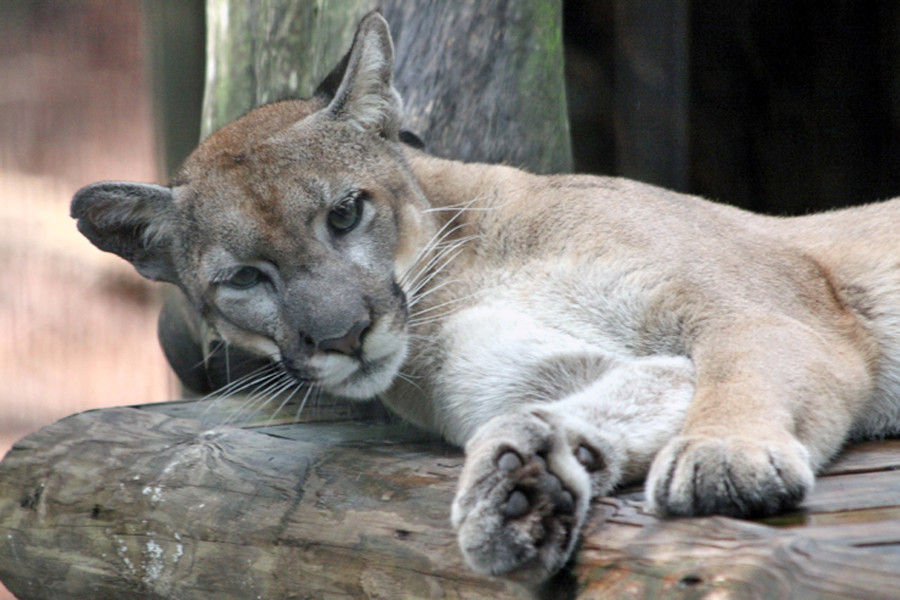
(340, 375)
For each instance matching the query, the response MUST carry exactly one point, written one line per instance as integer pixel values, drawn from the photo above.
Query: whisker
(418, 338)
(284, 403)
(436, 288)
(429, 321)
(227, 362)
(461, 206)
(441, 234)
(417, 322)
(303, 402)
(417, 269)
(207, 353)
(448, 257)
(444, 255)
(251, 380)
(415, 318)
(256, 376)
(265, 397)
(409, 379)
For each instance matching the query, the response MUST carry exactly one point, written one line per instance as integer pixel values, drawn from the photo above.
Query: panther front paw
(523, 496)
(731, 476)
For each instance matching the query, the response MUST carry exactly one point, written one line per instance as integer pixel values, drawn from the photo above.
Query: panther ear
(132, 220)
(366, 96)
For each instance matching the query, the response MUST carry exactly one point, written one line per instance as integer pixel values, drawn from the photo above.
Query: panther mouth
(359, 375)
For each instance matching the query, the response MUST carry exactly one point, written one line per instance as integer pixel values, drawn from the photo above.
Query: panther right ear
(132, 220)
(361, 86)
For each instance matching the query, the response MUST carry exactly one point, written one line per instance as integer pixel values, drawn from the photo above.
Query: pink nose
(350, 343)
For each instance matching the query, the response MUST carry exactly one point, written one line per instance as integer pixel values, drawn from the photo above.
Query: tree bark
(481, 80)
(173, 30)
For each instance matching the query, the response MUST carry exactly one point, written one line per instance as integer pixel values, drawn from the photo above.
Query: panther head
(290, 228)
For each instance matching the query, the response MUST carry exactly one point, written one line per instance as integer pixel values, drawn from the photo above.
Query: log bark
(628, 554)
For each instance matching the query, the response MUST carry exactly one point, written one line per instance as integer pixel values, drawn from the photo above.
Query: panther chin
(383, 354)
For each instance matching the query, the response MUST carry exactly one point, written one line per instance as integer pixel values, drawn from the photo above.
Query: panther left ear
(133, 220)
(366, 96)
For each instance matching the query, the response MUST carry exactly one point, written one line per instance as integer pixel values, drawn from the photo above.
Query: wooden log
(628, 554)
(125, 503)
(835, 546)
(135, 503)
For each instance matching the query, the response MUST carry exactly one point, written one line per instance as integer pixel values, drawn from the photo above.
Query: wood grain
(628, 554)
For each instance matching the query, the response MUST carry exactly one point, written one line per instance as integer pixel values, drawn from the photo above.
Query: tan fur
(572, 332)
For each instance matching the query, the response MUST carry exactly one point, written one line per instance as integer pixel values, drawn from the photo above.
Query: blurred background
(77, 326)
(780, 107)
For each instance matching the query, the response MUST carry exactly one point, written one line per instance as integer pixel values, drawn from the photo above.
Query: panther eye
(245, 277)
(347, 214)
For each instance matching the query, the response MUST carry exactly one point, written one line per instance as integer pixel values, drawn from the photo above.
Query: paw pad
(588, 459)
(550, 484)
(516, 505)
(509, 461)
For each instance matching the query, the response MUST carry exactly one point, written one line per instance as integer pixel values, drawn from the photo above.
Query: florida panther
(572, 332)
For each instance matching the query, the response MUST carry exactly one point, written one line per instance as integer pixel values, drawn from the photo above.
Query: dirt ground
(77, 327)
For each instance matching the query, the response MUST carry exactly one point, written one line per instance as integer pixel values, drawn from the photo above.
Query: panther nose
(350, 343)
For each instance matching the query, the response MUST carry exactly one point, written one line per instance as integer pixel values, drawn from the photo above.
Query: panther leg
(530, 474)
(524, 494)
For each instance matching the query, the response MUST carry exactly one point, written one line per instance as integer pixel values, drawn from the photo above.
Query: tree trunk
(481, 80)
